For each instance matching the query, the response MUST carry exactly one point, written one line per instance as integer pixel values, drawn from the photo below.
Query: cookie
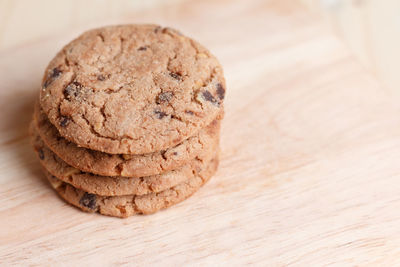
(126, 165)
(125, 206)
(132, 89)
(117, 186)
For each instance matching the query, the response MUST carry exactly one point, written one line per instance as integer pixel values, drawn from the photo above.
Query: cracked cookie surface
(132, 89)
(117, 186)
(125, 206)
(125, 164)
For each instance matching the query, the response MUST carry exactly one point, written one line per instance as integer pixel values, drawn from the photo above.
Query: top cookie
(132, 89)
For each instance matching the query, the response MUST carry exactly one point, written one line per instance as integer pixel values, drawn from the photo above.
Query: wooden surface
(370, 28)
(309, 174)
(22, 21)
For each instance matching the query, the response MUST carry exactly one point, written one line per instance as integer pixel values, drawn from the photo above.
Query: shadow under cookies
(17, 111)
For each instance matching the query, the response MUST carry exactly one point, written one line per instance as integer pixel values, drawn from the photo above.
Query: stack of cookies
(128, 119)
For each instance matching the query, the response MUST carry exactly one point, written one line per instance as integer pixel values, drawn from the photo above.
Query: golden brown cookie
(126, 165)
(117, 186)
(132, 89)
(125, 206)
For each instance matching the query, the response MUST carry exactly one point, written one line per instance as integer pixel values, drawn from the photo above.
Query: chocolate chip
(209, 97)
(175, 75)
(142, 48)
(69, 92)
(72, 90)
(189, 112)
(164, 97)
(157, 29)
(88, 201)
(163, 152)
(64, 121)
(160, 114)
(101, 77)
(175, 153)
(55, 73)
(220, 91)
(46, 83)
(41, 154)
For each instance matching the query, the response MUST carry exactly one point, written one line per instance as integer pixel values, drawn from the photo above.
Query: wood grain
(22, 21)
(371, 30)
(308, 176)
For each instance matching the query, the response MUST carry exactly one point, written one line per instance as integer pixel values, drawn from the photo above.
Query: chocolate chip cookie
(126, 165)
(117, 186)
(132, 89)
(125, 206)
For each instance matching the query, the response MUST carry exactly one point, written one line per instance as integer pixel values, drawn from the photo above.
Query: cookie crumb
(169, 30)
(121, 209)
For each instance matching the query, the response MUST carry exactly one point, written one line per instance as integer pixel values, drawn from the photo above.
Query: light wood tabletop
(308, 174)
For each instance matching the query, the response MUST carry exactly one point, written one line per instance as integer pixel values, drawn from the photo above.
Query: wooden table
(309, 174)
